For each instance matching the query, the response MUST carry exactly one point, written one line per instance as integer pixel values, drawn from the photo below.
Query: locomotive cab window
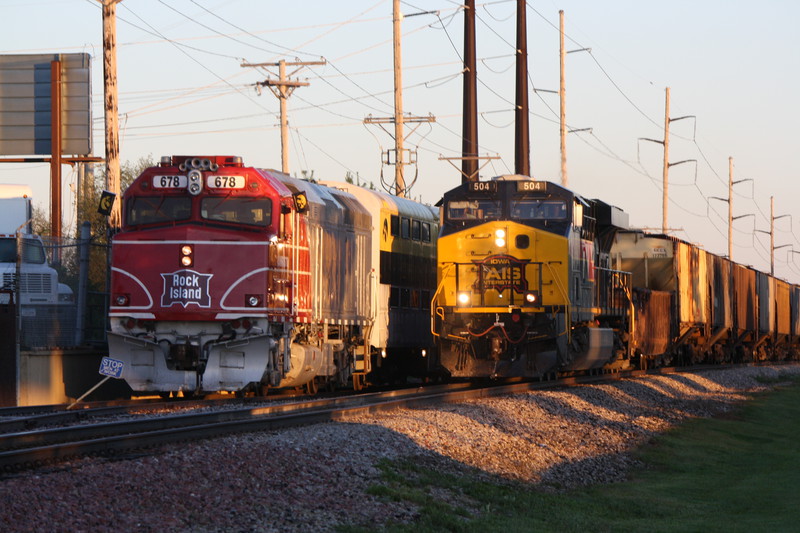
(395, 225)
(539, 210)
(405, 228)
(473, 209)
(155, 209)
(238, 210)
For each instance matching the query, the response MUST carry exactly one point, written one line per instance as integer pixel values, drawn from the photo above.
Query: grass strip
(736, 472)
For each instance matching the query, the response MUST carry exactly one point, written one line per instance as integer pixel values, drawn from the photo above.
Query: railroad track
(31, 448)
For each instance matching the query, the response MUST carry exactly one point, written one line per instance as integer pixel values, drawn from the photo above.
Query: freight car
(227, 277)
(534, 279)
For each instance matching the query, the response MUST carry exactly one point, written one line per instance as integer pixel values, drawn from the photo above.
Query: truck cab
(38, 281)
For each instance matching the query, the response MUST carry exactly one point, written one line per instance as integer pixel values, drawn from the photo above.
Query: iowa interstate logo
(501, 272)
(186, 287)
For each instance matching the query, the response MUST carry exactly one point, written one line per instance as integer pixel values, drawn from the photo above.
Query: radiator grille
(37, 283)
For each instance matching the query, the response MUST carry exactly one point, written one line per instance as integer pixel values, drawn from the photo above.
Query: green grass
(735, 473)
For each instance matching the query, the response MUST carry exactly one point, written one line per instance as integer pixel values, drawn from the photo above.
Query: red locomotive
(226, 277)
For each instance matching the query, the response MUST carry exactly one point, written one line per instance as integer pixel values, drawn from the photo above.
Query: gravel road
(314, 478)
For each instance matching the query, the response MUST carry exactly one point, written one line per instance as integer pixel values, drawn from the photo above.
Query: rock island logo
(186, 287)
(501, 272)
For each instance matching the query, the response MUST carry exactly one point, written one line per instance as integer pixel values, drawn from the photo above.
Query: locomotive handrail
(435, 296)
(568, 307)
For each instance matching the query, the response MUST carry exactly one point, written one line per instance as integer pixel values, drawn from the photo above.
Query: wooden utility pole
(55, 149)
(399, 179)
(400, 187)
(283, 88)
(111, 107)
(563, 98)
(522, 163)
(665, 196)
(469, 144)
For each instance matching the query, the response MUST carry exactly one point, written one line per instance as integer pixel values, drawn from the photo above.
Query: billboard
(25, 105)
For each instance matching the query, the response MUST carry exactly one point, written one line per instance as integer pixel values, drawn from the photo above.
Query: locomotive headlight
(252, 300)
(500, 238)
(186, 255)
(463, 298)
(532, 298)
(121, 299)
(195, 178)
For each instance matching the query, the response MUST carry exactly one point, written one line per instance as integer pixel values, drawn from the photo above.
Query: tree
(86, 207)
(355, 179)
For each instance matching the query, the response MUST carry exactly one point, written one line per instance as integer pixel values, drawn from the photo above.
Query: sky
(733, 69)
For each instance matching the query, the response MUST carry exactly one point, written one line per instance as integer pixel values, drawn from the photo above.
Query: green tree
(355, 179)
(86, 206)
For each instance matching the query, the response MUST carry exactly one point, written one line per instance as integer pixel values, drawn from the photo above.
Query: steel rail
(33, 448)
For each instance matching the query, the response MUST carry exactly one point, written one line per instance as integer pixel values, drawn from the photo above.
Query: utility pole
(563, 98)
(665, 197)
(562, 93)
(772, 247)
(771, 235)
(111, 107)
(470, 160)
(399, 179)
(283, 88)
(730, 208)
(398, 119)
(469, 124)
(522, 151)
(55, 150)
(667, 164)
(731, 218)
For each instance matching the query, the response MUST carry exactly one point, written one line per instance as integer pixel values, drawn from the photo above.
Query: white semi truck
(39, 282)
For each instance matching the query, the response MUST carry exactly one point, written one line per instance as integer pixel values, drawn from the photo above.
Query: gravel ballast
(314, 478)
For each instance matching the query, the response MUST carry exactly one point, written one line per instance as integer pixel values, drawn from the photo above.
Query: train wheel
(311, 386)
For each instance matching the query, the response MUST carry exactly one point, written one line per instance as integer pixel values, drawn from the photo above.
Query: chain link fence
(63, 300)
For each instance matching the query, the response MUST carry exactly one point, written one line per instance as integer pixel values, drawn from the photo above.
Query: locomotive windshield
(238, 210)
(154, 209)
(473, 209)
(539, 209)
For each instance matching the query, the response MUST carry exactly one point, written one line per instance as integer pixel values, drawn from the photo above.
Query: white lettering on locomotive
(501, 272)
(186, 287)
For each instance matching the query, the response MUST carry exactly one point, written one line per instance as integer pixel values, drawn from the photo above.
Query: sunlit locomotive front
(204, 284)
(523, 284)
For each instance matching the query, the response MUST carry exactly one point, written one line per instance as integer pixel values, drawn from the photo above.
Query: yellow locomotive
(524, 286)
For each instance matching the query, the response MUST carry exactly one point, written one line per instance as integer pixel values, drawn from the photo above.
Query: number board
(225, 182)
(170, 182)
(532, 186)
(482, 186)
